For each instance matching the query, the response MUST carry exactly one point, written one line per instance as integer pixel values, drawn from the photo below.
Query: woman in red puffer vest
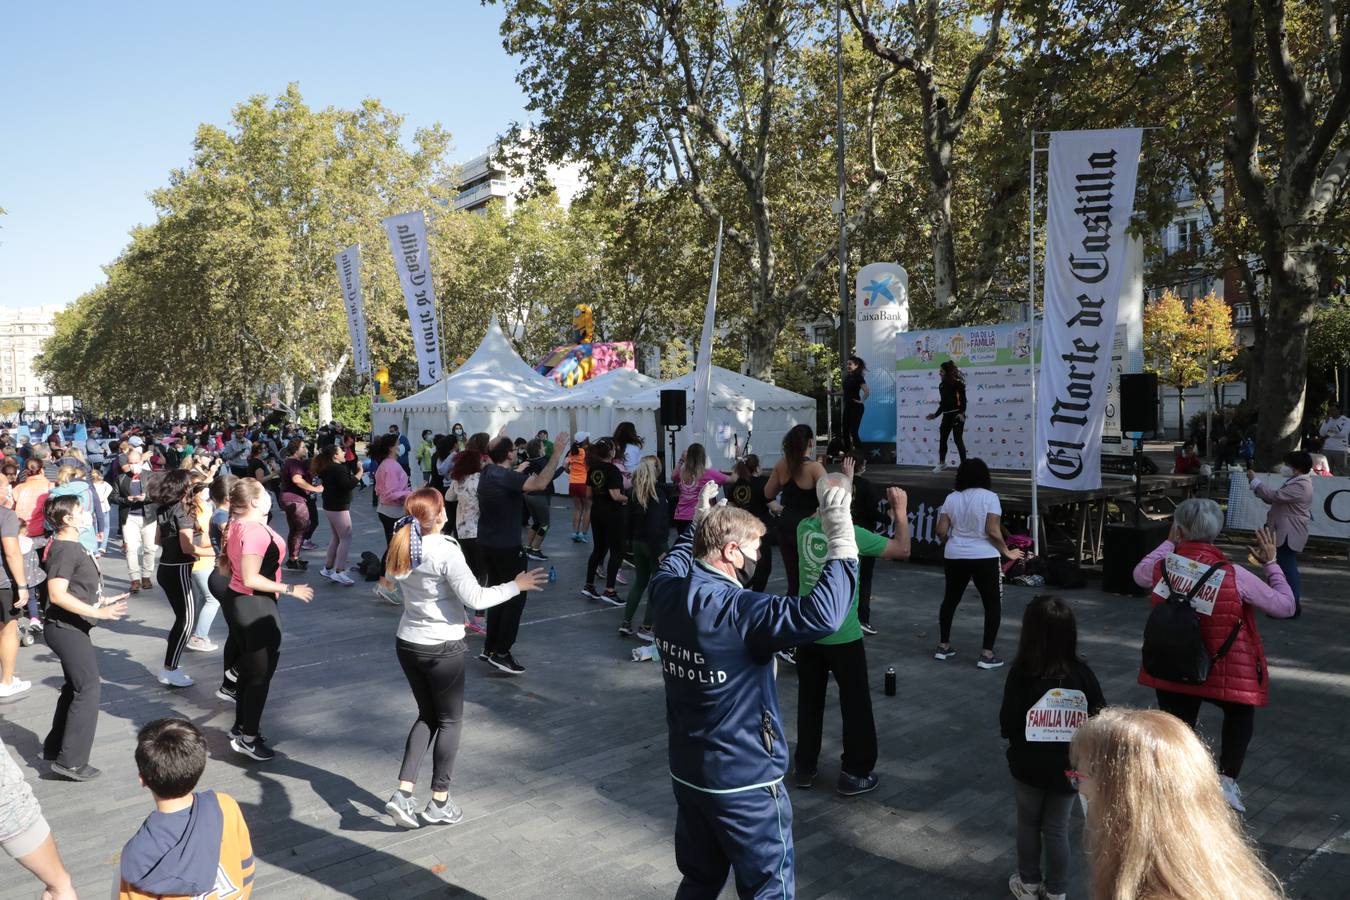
(1240, 680)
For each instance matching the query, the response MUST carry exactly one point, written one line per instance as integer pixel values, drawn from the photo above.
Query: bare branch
(982, 61)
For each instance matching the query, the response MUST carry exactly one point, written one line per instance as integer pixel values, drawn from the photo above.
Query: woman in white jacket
(437, 585)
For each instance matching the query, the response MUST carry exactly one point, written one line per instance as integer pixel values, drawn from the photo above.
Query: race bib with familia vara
(1184, 573)
(1056, 716)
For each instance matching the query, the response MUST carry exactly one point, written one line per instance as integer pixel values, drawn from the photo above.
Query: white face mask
(1285, 471)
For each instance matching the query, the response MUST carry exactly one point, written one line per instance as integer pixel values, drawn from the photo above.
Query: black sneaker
(535, 554)
(644, 632)
(612, 598)
(447, 813)
(506, 663)
(804, 780)
(867, 628)
(788, 656)
(85, 772)
(944, 653)
(626, 628)
(590, 592)
(852, 786)
(485, 656)
(295, 565)
(990, 662)
(227, 693)
(254, 749)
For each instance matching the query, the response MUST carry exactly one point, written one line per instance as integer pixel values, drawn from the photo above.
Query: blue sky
(100, 100)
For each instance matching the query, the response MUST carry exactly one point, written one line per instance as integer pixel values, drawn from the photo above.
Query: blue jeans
(1287, 560)
(207, 605)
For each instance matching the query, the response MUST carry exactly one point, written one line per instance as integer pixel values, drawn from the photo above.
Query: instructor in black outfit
(952, 409)
(855, 398)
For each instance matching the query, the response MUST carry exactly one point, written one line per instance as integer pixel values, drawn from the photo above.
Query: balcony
(481, 193)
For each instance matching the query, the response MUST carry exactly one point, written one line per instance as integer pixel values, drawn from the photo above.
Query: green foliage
(1329, 338)
(352, 412)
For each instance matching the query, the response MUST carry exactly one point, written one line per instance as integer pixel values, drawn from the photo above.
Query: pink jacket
(1290, 509)
(392, 486)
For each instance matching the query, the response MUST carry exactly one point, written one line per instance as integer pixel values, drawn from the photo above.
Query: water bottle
(552, 574)
(890, 681)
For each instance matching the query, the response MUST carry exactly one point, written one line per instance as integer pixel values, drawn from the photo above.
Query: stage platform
(1071, 521)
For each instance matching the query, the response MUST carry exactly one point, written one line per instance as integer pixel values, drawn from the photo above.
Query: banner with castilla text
(1089, 202)
(412, 259)
(349, 278)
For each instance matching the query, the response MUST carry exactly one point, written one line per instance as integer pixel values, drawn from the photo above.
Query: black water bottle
(890, 681)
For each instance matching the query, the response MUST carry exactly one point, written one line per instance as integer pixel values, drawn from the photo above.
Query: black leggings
(255, 640)
(988, 575)
(219, 586)
(764, 568)
(607, 525)
(1239, 720)
(951, 424)
(71, 738)
(787, 546)
(176, 580)
(435, 672)
(853, 416)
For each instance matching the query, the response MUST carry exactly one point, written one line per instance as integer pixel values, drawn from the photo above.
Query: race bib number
(1056, 716)
(1184, 573)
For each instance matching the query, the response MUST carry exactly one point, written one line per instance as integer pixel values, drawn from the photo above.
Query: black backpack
(370, 566)
(1174, 648)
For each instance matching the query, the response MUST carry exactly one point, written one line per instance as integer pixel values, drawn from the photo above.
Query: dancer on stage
(856, 393)
(952, 409)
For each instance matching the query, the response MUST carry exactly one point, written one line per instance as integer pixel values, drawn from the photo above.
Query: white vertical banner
(698, 425)
(412, 258)
(349, 278)
(1088, 206)
(1127, 350)
(880, 311)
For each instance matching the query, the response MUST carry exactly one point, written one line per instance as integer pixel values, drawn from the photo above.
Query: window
(1189, 238)
(1242, 314)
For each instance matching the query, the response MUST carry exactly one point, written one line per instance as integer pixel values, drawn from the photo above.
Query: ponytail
(242, 494)
(424, 505)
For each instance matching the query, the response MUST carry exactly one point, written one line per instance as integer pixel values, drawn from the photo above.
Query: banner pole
(1031, 314)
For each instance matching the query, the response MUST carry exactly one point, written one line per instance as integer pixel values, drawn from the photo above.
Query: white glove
(836, 518)
(705, 499)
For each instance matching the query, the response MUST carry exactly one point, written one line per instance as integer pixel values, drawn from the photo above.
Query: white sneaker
(343, 578)
(1232, 793)
(175, 678)
(201, 644)
(326, 573)
(15, 687)
(1023, 891)
(939, 467)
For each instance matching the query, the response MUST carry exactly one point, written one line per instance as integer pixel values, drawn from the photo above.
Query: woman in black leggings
(253, 555)
(608, 503)
(175, 523)
(952, 409)
(437, 585)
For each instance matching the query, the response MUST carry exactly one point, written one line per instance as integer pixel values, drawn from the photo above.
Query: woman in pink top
(1290, 513)
(693, 473)
(392, 487)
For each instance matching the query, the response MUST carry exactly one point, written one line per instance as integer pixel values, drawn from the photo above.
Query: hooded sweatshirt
(203, 852)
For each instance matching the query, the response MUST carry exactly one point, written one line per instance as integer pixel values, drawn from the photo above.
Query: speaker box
(1122, 548)
(1139, 403)
(672, 408)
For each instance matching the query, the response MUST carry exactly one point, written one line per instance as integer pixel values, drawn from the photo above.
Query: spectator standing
(138, 523)
(1289, 515)
(426, 449)
(1335, 434)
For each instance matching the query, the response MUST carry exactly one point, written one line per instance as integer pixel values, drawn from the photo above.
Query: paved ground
(562, 772)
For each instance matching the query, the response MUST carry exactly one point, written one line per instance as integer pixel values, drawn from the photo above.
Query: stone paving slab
(562, 773)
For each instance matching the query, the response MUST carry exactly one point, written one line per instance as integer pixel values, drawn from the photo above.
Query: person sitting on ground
(194, 844)
(1156, 821)
(1239, 678)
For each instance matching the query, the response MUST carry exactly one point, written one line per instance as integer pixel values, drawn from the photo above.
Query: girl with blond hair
(651, 527)
(1158, 826)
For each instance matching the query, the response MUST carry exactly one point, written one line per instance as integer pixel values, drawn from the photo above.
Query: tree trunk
(327, 378)
(288, 390)
(944, 245)
(759, 345)
(1293, 299)
(1181, 414)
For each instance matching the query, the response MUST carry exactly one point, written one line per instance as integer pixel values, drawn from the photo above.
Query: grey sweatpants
(1043, 821)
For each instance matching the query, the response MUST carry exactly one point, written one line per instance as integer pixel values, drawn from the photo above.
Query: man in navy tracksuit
(716, 640)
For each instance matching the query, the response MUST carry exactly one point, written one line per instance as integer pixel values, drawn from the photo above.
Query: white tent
(494, 387)
(741, 409)
(590, 405)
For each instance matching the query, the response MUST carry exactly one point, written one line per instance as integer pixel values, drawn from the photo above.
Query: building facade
(22, 334)
(487, 178)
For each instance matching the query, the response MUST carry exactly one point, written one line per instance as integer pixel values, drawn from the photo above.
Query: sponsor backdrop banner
(881, 311)
(349, 277)
(1330, 505)
(1089, 203)
(412, 258)
(996, 362)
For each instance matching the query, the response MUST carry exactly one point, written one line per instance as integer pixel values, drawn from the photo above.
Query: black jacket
(1042, 764)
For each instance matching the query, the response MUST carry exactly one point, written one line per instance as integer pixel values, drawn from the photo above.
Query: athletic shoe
(939, 467)
(85, 772)
(446, 813)
(804, 780)
(254, 749)
(343, 578)
(175, 678)
(944, 652)
(585, 538)
(506, 663)
(576, 537)
(146, 585)
(309, 545)
(532, 553)
(852, 786)
(201, 645)
(485, 656)
(15, 688)
(135, 586)
(227, 694)
(788, 656)
(402, 808)
(326, 572)
(621, 578)
(474, 627)
(1232, 793)
(387, 595)
(990, 662)
(625, 628)
(1022, 890)
(644, 633)
(295, 565)
(35, 626)
(612, 598)
(590, 592)
(867, 629)
(1046, 895)
(628, 563)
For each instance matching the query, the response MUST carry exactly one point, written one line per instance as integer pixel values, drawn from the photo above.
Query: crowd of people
(465, 515)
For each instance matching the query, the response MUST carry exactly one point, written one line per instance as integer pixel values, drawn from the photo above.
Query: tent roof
(493, 375)
(616, 384)
(727, 388)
